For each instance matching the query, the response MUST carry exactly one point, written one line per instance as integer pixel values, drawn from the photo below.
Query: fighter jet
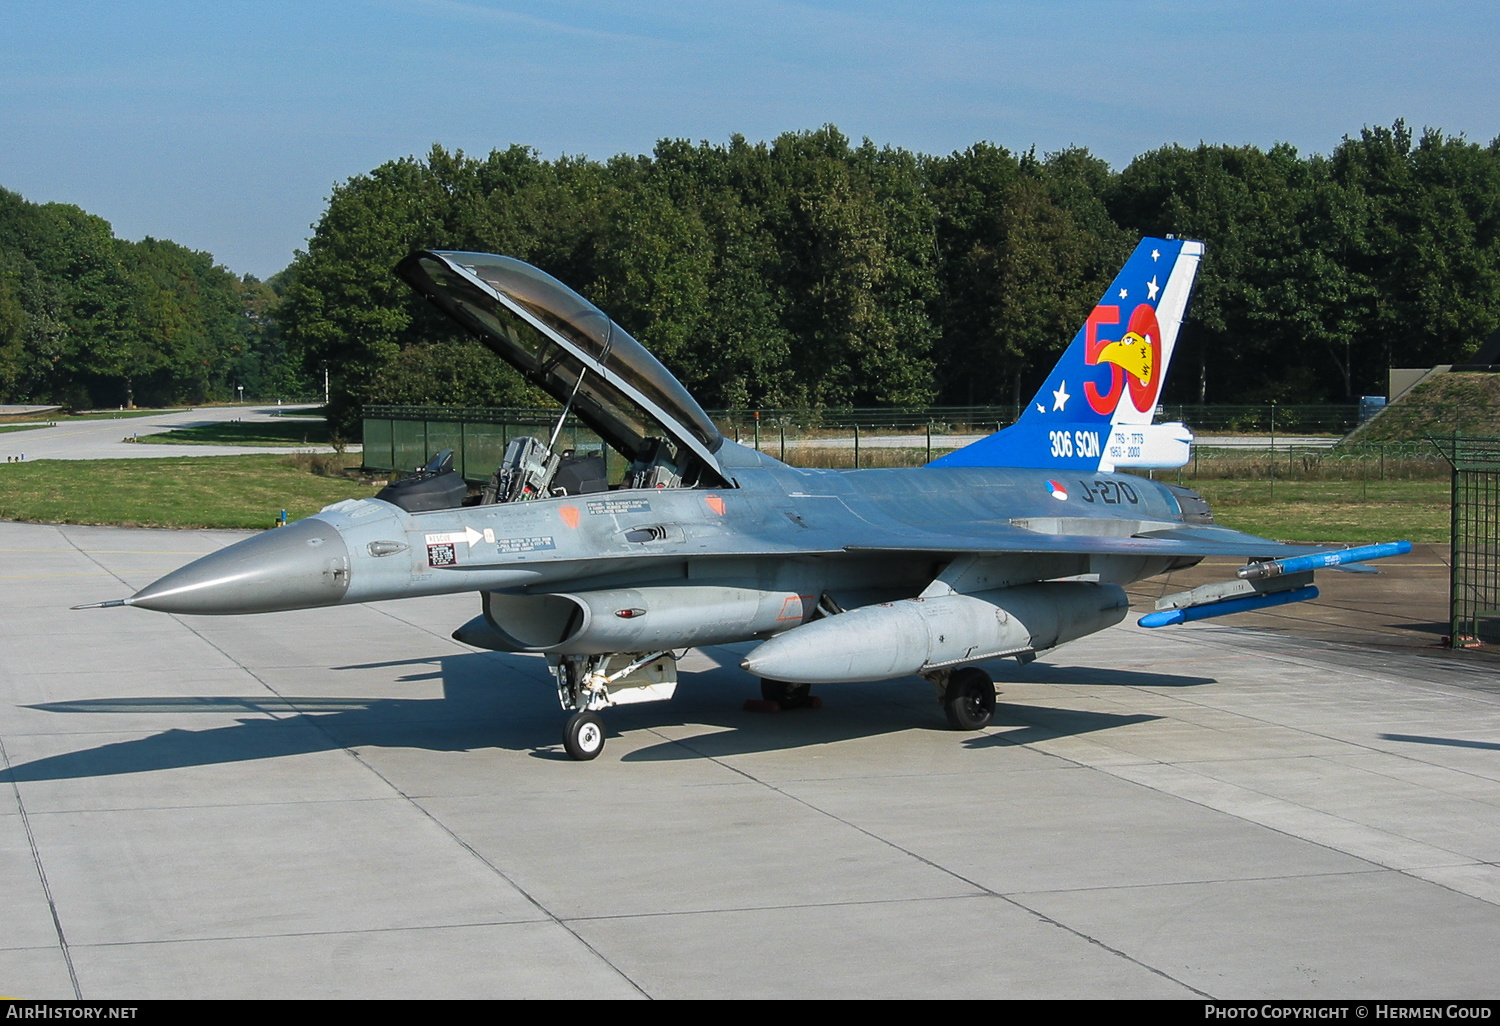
(1010, 547)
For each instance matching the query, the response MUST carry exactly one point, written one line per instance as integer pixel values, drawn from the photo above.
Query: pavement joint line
(1323, 660)
(36, 854)
(786, 906)
(233, 937)
(1114, 771)
(1214, 882)
(1460, 859)
(1216, 637)
(988, 894)
(1423, 762)
(1043, 917)
(1186, 766)
(422, 810)
(369, 767)
(41, 872)
(86, 573)
(1262, 722)
(138, 809)
(107, 552)
(91, 673)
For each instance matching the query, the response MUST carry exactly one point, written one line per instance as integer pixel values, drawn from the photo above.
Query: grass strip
(249, 491)
(189, 492)
(300, 431)
(1332, 511)
(1358, 508)
(62, 418)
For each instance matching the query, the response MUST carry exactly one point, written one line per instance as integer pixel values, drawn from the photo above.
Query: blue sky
(224, 126)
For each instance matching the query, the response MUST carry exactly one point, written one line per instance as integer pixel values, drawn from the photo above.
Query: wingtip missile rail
(1320, 561)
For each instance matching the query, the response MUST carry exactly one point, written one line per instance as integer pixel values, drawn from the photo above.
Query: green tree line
(89, 320)
(803, 271)
(811, 271)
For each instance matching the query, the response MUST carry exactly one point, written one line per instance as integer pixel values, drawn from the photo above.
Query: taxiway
(347, 803)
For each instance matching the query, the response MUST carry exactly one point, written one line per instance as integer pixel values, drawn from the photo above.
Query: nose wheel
(583, 737)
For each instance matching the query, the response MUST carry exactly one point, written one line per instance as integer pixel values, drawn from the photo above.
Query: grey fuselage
(628, 570)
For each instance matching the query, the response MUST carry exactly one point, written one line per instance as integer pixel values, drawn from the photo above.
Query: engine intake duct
(631, 619)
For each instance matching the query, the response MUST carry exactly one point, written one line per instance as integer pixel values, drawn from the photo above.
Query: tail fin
(1095, 409)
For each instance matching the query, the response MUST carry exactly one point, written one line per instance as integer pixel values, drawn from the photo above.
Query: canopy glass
(551, 335)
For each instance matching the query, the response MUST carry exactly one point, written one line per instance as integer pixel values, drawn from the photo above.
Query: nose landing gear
(584, 735)
(586, 683)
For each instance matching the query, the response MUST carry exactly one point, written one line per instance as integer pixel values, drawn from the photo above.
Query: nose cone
(295, 567)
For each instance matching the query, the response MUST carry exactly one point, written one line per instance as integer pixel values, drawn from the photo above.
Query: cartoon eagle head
(1133, 353)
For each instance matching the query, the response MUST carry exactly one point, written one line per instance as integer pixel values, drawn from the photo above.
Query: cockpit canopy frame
(552, 335)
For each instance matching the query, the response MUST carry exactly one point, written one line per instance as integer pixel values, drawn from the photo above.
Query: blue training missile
(1321, 560)
(1239, 605)
(1272, 582)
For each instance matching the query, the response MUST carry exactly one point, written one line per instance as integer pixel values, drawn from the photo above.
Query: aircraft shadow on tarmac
(1451, 742)
(498, 701)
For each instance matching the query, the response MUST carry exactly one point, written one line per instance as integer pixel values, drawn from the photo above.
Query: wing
(1147, 538)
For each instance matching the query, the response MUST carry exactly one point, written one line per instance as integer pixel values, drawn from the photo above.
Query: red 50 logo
(1133, 358)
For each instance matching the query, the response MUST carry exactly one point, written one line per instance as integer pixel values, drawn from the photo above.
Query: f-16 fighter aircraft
(1010, 547)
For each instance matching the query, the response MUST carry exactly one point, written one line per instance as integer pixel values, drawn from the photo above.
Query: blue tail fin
(1095, 409)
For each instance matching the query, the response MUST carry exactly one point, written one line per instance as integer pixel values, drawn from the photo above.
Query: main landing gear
(968, 698)
(788, 695)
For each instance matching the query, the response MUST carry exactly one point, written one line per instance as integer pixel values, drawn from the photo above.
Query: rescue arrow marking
(468, 536)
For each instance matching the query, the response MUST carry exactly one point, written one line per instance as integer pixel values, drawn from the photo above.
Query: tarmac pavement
(107, 438)
(347, 803)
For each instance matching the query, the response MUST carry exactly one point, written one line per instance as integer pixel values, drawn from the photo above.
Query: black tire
(584, 736)
(788, 696)
(969, 699)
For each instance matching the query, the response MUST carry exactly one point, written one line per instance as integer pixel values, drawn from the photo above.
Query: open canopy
(552, 335)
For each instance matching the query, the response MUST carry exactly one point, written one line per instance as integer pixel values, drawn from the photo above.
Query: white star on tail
(1152, 288)
(1060, 397)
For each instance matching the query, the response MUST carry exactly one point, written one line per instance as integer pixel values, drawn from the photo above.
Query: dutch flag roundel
(1058, 491)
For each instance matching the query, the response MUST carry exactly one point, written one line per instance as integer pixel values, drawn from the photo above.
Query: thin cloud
(476, 12)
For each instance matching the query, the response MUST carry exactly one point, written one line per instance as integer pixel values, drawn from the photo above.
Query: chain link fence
(1258, 418)
(401, 438)
(1474, 591)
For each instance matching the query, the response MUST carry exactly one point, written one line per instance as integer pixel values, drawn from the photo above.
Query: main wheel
(788, 696)
(969, 699)
(584, 736)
